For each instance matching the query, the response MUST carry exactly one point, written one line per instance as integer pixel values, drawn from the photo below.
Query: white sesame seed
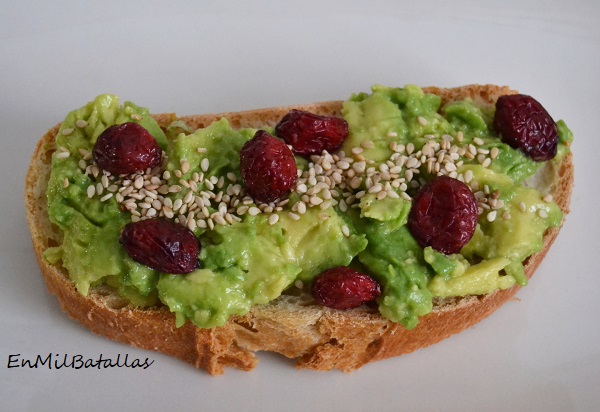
(542, 213)
(253, 211)
(478, 141)
(201, 150)
(486, 162)
(274, 218)
(68, 131)
(522, 206)
(293, 216)
(204, 164)
(315, 200)
(491, 216)
(80, 123)
(91, 191)
(422, 121)
(346, 231)
(185, 166)
(62, 155)
(548, 198)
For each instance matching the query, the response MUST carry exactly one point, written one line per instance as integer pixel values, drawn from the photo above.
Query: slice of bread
(317, 337)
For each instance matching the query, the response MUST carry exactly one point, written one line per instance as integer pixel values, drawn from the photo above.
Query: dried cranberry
(310, 134)
(344, 288)
(524, 124)
(161, 245)
(268, 167)
(126, 148)
(443, 215)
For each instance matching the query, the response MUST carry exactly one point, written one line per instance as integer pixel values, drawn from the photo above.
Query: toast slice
(316, 337)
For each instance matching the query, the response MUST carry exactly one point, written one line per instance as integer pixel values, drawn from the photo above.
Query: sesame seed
(138, 183)
(293, 216)
(450, 167)
(315, 200)
(367, 144)
(253, 211)
(542, 213)
(81, 123)
(491, 216)
(522, 206)
(201, 150)
(91, 191)
(301, 207)
(274, 218)
(136, 116)
(204, 164)
(478, 141)
(548, 198)
(62, 155)
(422, 121)
(346, 231)
(66, 183)
(486, 162)
(392, 134)
(185, 166)
(68, 131)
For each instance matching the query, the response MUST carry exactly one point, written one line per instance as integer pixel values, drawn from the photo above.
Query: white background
(539, 352)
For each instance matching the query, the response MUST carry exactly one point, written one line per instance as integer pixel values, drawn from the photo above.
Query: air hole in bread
(246, 326)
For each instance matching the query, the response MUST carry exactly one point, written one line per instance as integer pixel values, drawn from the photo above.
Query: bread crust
(318, 338)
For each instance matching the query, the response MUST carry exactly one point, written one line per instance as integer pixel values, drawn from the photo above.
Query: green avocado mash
(347, 208)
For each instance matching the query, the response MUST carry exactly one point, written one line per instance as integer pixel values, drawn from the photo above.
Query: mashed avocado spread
(347, 208)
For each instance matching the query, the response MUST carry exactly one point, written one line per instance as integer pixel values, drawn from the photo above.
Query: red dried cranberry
(126, 148)
(344, 288)
(310, 134)
(268, 167)
(443, 215)
(524, 124)
(161, 245)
